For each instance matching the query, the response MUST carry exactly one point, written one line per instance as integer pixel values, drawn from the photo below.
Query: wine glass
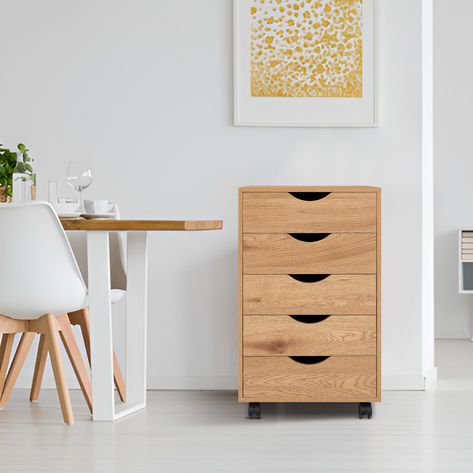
(79, 177)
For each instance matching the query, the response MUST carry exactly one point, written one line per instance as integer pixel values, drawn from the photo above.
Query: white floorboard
(207, 432)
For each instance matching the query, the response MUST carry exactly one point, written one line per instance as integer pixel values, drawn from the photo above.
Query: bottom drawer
(306, 379)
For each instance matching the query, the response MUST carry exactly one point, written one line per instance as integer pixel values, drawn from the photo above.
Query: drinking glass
(79, 177)
(53, 187)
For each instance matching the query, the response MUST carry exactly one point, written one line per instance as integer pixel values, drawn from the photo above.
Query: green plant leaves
(8, 164)
(24, 151)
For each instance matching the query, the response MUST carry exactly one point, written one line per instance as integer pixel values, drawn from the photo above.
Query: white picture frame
(302, 111)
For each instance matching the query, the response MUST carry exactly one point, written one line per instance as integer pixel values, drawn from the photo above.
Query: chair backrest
(78, 242)
(38, 271)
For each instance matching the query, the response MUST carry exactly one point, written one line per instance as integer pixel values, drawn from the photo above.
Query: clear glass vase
(23, 182)
(24, 187)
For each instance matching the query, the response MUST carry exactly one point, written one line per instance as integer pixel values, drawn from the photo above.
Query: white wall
(142, 90)
(428, 283)
(453, 160)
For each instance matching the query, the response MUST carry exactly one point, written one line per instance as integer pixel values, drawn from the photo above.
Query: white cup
(97, 206)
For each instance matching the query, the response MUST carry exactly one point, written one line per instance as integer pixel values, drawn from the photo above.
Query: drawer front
(307, 253)
(337, 212)
(333, 295)
(336, 379)
(308, 335)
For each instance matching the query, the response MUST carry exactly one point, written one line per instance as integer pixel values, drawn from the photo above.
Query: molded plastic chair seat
(41, 284)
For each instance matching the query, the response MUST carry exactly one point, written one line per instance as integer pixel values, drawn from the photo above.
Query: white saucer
(69, 215)
(91, 216)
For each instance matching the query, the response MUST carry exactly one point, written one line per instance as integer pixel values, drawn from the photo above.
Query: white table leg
(101, 339)
(98, 262)
(136, 318)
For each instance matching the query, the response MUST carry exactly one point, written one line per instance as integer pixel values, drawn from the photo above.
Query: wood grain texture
(338, 253)
(283, 336)
(267, 256)
(9, 325)
(40, 365)
(141, 225)
(240, 295)
(17, 363)
(337, 379)
(49, 327)
(342, 212)
(351, 189)
(75, 357)
(378, 294)
(5, 354)
(335, 295)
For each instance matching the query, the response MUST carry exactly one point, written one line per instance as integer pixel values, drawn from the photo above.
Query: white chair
(78, 242)
(40, 284)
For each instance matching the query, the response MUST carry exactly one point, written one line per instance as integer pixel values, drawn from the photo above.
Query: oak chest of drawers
(310, 285)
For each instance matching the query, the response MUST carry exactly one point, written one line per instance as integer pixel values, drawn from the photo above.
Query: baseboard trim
(225, 383)
(154, 383)
(403, 383)
(430, 377)
(192, 383)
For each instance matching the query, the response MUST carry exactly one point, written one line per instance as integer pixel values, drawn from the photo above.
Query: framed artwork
(305, 63)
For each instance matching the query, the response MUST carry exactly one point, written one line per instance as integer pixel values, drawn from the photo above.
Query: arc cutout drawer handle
(309, 278)
(309, 237)
(310, 319)
(309, 360)
(309, 196)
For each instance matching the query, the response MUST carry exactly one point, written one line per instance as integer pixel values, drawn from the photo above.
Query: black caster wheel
(365, 411)
(254, 410)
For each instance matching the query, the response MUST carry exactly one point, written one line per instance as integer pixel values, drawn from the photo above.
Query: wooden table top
(140, 225)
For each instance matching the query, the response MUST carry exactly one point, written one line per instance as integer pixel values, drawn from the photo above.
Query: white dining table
(98, 260)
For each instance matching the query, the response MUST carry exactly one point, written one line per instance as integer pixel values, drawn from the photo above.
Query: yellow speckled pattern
(306, 48)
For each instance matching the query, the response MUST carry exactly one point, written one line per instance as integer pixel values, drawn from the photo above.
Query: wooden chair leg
(81, 318)
(41, 357)
(49, 327)
(75, 358)
(5, 354)
(118, 377)
(16, 365)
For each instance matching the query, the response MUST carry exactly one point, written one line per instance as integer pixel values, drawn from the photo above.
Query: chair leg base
(81, 318)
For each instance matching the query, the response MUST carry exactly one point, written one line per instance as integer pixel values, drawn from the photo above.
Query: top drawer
(315, 212)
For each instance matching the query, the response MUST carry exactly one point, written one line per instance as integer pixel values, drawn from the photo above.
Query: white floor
(207, 431)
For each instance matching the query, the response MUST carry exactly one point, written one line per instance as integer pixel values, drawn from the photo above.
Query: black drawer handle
(309, 360)
(309, 277)
(310, 319)
(309, 196)
(309, 237)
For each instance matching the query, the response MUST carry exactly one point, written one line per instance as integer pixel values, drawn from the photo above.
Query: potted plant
(8, 164)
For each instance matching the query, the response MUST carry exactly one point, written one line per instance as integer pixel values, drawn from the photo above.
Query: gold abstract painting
(306, 48)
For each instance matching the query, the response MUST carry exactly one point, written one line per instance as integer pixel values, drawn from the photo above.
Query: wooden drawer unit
(310, 286)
